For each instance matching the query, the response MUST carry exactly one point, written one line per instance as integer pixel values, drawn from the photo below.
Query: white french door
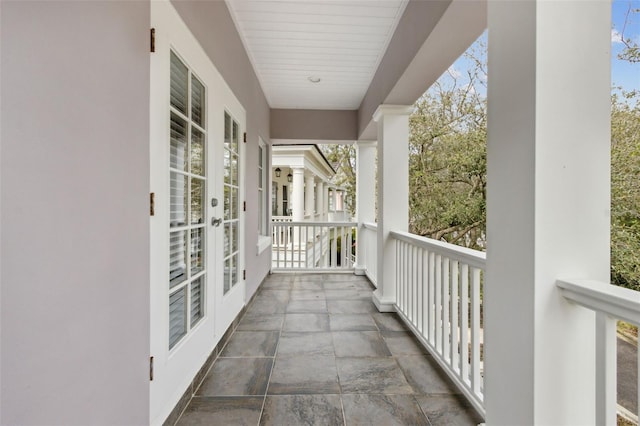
(196, 245)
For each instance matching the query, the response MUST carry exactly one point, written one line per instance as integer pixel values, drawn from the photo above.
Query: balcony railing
(610, 303)
(439, 296)
(367, 248)
(312, 246)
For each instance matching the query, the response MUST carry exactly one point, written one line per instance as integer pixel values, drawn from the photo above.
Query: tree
(342, 157)
(447, 157)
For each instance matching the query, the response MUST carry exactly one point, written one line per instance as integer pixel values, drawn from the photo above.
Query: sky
(623, 73)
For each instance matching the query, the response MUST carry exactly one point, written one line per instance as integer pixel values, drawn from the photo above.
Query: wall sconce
(278, 172)
(289, 177)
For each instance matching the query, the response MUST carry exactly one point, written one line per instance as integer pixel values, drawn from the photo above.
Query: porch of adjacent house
(313, 349)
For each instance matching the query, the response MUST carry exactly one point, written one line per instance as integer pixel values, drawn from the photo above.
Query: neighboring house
(136, 210)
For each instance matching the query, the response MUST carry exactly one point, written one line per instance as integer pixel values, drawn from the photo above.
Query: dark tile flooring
(313, 350)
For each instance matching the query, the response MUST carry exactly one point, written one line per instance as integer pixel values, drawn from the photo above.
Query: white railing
(312, 246)
(367, 247)
(439, 296)
(610, 303)
(281, 218)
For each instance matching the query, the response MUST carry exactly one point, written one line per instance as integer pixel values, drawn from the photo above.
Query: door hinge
(244, 206)
(153, 40)
(244, 274)
(151, 369)
(152, 204)
(245, 137)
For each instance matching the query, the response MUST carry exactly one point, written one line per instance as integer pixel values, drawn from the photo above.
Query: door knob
(216, 221)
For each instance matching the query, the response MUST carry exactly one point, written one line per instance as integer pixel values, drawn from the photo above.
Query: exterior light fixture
(289, 177)
(314, 79)
(278, 172)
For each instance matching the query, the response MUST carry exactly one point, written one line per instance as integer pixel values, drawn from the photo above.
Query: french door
(197, 224)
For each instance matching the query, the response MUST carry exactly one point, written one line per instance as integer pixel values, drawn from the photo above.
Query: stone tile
(293, 344)
(306, 322)
(359, 344)
(271, 295)
(448, 410)
(205, 411)
(382, 410)
(304, 375)
(351, 307)
(237, 377)
(371, 375)
(262, 306)
(389, 322)
(348, 294)
(307, 295)
(403, 343)
(309, 277)
(262, 323)
(347, 285)
(252, 344)
(346, 278)
(282, 410)
(307, 306)
(308, 285)
(280, 283)
(351, 322)
(425, 375)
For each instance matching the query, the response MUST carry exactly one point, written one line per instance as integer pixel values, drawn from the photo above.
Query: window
(231, 203)
(187, 210)
(263, 178)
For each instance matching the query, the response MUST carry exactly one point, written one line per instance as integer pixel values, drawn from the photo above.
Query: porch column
(309, 196)
(365, 196)
(393, 195)
(547, 206)
(320, 201)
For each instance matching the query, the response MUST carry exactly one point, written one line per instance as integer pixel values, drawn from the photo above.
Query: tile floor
(312, 350)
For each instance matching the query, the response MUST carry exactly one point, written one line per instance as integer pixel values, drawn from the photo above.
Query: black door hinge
(153, 40)
(244, 274)
(244, 206)
(152, 204)
(151, 369)
(245, 137)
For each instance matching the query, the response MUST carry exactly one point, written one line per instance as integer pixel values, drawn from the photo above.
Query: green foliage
(447, 159)
(342, 157)
(625, 189)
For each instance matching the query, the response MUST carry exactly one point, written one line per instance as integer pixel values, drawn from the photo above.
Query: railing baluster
(455, 359)
(475, 330)
(464, 324)
(606, 352)
(445, 309)
(431, 286)
(414, 286)
(438, 302)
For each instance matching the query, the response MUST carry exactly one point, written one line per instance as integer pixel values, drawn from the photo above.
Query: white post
(297, 202)
(365, 195)
(547, 206)
(393, 195)
(325, 208)
(320, 201)
(309, 196)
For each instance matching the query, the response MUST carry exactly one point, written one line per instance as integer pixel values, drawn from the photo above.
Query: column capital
(366, 144)
(383, 110)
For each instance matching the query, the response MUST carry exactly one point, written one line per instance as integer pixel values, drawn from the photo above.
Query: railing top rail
(370, 225)
(618, 302)
(313, 223)
(472, 257)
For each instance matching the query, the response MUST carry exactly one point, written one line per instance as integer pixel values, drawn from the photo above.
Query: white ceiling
(341, 42)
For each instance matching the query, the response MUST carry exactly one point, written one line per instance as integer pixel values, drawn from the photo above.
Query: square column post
(320, 201)
(365, 195)
(309, 195)
(393, 195)
(297, 204)
(548, 165)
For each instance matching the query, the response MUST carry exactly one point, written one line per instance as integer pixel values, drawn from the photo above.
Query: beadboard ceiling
(338, 41)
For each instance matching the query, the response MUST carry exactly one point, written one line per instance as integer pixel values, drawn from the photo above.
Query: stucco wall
(211, 23)
(75, 212)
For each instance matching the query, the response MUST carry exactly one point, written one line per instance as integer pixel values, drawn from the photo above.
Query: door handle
(216, 221)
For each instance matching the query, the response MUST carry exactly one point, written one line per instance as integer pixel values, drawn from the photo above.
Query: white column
(320, 191)
(309, 196)
(326, 202)
(297, 195)
(547, 206)
(393, 195)
(365, 194)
